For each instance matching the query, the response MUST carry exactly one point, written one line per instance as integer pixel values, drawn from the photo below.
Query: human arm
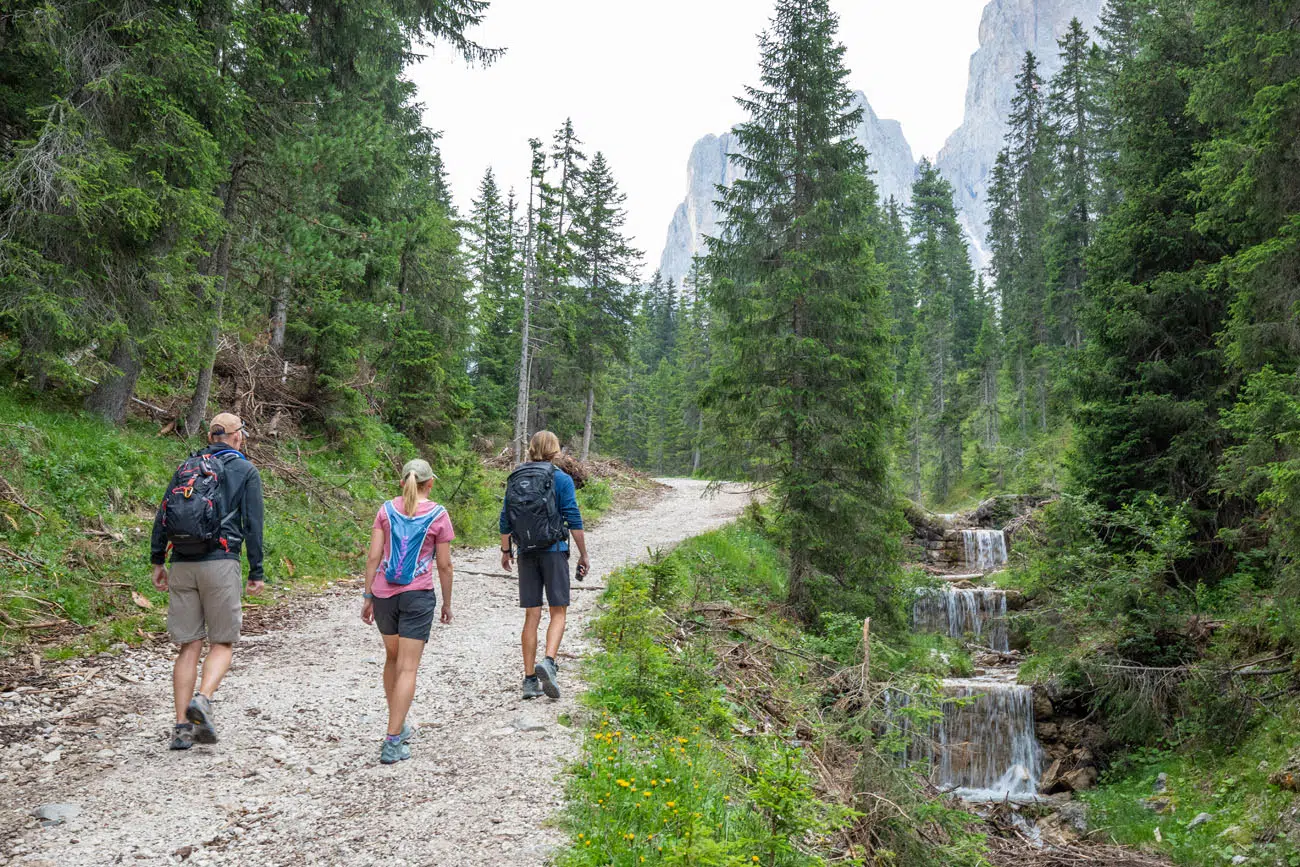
(373, 555)
(503, 524)
(567, 495)
(443, 555)
(584, 565)
(253, 517)
(158, 552)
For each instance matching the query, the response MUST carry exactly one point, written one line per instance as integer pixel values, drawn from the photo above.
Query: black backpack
(533, 509)
(194, 508)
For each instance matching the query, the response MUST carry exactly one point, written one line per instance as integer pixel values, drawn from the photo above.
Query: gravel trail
(296, 779)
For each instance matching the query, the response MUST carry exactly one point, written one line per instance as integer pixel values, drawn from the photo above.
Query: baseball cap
(420, 467)
(225, 423)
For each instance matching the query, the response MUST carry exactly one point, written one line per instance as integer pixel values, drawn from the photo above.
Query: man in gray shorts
(204, 522)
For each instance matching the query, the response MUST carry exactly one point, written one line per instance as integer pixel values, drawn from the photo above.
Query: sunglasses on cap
(220, 431)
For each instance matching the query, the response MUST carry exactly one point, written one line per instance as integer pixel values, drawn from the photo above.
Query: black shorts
(549, 569)
(408, 614)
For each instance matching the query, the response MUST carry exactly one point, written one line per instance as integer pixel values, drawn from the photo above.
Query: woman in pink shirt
(411, 535)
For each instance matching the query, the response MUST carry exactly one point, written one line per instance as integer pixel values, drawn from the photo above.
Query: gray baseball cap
(420, 467)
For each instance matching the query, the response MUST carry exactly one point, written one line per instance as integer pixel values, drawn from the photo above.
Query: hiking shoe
(532, 687)
(182, 736)
(548, 673)
(394, 751)
(407, 733)
(200, 714)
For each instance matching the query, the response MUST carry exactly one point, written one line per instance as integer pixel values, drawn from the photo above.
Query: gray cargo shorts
(203, 601)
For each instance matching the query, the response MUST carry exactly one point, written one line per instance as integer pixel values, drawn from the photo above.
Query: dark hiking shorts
(548, 569)
(408, 614)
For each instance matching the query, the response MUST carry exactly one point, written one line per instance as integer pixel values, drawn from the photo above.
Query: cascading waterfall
(978, 611)
(986, 550)
(984, 748)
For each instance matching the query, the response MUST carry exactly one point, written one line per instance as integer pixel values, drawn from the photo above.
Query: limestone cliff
(888, 155)
(1008, 29)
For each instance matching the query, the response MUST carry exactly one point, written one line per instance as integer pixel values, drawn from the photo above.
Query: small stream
(984, 748)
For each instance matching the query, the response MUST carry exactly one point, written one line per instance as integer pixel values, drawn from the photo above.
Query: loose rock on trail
(296, 778)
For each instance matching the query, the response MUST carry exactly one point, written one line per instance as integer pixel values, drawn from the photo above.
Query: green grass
(673, 771)
(1230, 784)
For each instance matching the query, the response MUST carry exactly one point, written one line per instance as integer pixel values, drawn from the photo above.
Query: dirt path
(295, 779)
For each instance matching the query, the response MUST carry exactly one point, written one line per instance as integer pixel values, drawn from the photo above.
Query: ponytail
(410, 495)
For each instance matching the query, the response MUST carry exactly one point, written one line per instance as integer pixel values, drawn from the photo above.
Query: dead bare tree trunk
(699, 440)
(280, 306)
(591, 411)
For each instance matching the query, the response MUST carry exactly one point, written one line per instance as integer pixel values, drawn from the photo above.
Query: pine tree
(1151, 380)
(495, 273)
(894, 254)
(605, 266)
(1018, 208)
(1073, 113)
(944, 290)
(800, 298)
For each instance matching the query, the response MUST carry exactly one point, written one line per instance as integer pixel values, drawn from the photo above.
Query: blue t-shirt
(566, 493)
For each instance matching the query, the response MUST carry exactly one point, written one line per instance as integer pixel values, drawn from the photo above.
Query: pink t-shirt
(439, 531)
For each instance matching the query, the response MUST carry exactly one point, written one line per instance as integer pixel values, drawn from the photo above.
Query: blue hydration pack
(405, 541)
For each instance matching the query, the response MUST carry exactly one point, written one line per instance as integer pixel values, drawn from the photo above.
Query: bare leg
(390, 666)
(555, 630)
(185, 673)
(409, 651)
(215, 667)
(532, 619)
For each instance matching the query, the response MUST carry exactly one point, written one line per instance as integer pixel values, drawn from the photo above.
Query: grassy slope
(1230, 784)
(702, 732)
(78, 563)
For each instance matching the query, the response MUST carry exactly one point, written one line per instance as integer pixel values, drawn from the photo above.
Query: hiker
(211, 509)
(539, 514)
(411, 535)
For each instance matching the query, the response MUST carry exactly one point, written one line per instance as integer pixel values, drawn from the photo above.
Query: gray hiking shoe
(532, 687)
(182, 736)
(394, 751)
(407, 733)
(200, 714)
(548, 673)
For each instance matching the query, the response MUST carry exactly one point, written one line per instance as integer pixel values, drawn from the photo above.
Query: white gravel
(296, 779)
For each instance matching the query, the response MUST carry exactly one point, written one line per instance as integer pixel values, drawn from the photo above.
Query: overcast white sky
(644, 80)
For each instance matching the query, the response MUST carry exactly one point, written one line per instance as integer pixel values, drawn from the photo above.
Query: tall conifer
(801, 300)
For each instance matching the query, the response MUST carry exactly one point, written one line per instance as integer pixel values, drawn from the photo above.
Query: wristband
(367, 596)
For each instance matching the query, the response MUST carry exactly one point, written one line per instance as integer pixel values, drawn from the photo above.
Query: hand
(506, 560)
(584, 566)
(368, 612)
(255, 588)
(446, 613)
(160, 578)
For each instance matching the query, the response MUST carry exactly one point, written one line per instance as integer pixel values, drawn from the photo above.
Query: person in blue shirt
(546, 571)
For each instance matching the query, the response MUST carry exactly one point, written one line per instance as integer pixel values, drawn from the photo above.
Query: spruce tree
(496, 276)
(1018, 223)
(1076, 136)
(800, 299)
(944, 285)
(605, 267)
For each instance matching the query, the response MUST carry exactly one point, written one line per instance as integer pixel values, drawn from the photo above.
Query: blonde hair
(544, 446)
(410, 495)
